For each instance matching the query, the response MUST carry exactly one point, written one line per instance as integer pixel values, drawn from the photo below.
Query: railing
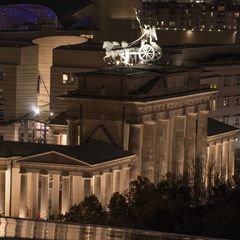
(34, 229)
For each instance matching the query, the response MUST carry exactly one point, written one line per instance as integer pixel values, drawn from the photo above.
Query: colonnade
(169, 145)
(43, 194)
(221, 159)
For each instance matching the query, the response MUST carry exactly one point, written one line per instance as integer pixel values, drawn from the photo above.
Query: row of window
(227, 101)
(235, 120)
(227, 80)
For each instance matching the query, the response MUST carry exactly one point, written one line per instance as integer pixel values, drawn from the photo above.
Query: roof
(93, 152)
(60, 119)
(215, 127)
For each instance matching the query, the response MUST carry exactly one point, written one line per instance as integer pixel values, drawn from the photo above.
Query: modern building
(220, 64)
(192, 15)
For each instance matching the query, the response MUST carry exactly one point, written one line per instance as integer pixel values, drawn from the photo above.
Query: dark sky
(61, 7)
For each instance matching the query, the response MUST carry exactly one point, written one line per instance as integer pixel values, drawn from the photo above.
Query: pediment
(52, 158)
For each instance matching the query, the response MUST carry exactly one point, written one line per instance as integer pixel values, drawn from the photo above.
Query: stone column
(65, 194)
(97, 186)
(202, 135)
(44, 196)
(76, 189)
(23, 196)
(57, 139)
(225, 159)
(106, 188)
(170, 144)
(218, 161)
(190, 146)
(34, 195)
(135, 145)
(148, 150)
(2, 192)
(201, 152)
(162, 142)
(116, 181)
(55, 193)
(125, 176)
(178, 146)
(211, 164)
(231, 161)
(125, 136)
(86, 187)
(72, 132)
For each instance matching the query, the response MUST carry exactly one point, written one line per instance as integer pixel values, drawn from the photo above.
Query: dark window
(2, 76)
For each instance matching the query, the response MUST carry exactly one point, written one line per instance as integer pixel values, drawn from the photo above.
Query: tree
(118, 210)
(89, 211)
(139, 197)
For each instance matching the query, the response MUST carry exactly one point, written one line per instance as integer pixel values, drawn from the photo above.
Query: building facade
(128, 122)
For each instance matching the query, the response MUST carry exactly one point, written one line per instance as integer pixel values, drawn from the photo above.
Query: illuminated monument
(130, 53)
(120, 122)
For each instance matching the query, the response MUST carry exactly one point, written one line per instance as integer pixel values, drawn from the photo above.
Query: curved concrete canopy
(56, 41)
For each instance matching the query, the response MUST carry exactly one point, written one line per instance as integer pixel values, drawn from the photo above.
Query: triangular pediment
(52, 158)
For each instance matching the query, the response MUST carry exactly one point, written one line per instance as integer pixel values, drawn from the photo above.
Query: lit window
(162, 23)
(172, 24)
(213, 86)
(213, 105)
(237, 100)
(226, 101)
(221, 8)
(211, 14)
(67, 78)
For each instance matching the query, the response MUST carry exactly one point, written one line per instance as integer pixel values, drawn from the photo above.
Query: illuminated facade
(118, 123)
(192, 15)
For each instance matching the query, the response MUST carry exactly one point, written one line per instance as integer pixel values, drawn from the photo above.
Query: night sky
(61, 7)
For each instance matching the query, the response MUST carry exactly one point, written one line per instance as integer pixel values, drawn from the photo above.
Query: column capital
(65, 174)
(44, 173)
(22, 171)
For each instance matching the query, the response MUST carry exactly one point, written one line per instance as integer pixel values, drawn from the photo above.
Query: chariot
(141, 51)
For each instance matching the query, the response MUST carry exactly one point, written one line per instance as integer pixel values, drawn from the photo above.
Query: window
(226, 119)
(172, 23)
(2, 114)
(221, 8)
(67, 78)
(226, 80)
(237, 80)
(213, 86)
(2, 76)
(237, 100)
(1, 137)
(226, 101)
(213, 105)
(236, 120)
(1, 96)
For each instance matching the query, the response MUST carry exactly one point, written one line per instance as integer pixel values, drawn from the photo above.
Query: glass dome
(25, 16)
